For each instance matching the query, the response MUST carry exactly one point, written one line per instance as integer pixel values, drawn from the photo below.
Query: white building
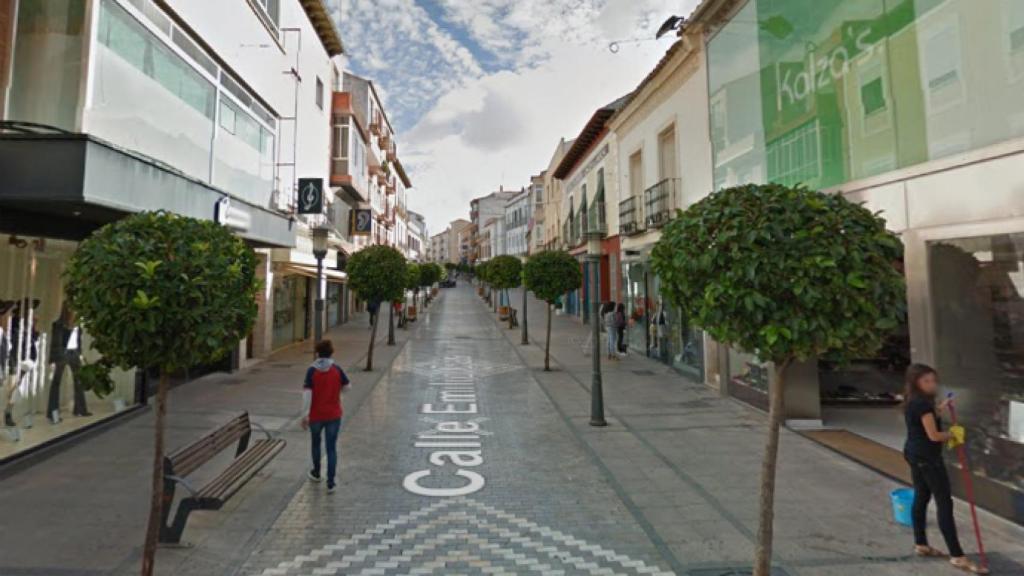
(211, 110)
(517, 223)
(417, 240)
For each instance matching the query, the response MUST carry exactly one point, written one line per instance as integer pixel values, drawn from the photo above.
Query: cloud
(481, 91)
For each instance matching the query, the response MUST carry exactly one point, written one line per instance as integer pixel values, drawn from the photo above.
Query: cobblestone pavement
(458, 463)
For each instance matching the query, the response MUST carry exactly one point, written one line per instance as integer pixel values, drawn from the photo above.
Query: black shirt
(918, 445)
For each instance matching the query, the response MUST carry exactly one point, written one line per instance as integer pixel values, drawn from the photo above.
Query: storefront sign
(230, 216)
(454, 442)
(591, 164)
(361, 223)
(311, 195)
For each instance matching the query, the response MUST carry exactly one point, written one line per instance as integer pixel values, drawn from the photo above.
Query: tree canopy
(552, 273)
(786, 273)
(157, 290)
(430, 274)
(505, 272)
(377, 273)
(412, 276)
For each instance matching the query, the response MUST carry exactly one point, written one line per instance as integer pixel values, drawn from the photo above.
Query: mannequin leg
(53, 405)
(81, 409)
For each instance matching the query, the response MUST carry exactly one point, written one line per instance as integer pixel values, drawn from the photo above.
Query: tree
(377, 274)
(789, 274)
(506, 272)
(549, 275)
(430, 274)
(165, 292)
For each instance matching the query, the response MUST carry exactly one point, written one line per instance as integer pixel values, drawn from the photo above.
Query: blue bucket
(902, 502)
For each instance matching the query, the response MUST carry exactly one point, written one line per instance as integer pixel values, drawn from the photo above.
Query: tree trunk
(547, 344)
(508, 301)
(156, 496)
(766, 513)
(373, 339)
(391, 324)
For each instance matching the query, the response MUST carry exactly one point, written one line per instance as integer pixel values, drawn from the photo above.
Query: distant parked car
(448, 283)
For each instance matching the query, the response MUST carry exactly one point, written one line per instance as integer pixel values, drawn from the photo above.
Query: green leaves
(504, 272)
(187, 297)
(784, 272)
(552, 273)
(378, 273)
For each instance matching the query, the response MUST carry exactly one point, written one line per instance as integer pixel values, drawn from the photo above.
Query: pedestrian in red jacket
(321, 409)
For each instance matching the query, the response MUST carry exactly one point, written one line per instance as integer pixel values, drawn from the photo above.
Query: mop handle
(968, 486)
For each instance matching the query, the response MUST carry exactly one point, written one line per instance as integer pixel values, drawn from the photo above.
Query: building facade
(588, 182)
(535, 241)
(663, 165)
(917, 110)
(517, 223)
(481, 211)
(112, 107)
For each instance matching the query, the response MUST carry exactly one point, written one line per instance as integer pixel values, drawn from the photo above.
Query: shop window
(977, 298)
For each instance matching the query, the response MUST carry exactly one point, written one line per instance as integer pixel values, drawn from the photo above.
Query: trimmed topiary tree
(377, 274)
(506, 272)
(549, 275)
(430, 274)
(160, 291)
(789, 274)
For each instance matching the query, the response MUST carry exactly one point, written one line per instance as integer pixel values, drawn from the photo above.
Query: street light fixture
(319, 235)
(596, 388)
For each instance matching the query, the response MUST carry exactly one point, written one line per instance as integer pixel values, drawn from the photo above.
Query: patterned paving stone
(457, 463)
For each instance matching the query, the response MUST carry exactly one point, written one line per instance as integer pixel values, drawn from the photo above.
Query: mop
(961, 452)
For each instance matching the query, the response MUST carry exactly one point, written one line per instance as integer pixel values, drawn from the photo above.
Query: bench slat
(241, 471)
(188, 459)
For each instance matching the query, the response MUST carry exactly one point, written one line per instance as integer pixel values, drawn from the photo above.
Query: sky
(481, 91)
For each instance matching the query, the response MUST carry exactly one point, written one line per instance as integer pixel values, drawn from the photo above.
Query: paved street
(459, 455)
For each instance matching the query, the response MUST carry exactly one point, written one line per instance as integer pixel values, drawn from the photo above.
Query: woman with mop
(923, 451)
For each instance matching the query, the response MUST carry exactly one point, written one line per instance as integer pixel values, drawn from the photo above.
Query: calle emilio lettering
(455, 442)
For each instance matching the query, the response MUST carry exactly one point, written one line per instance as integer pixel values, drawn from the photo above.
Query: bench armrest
(261, 428)
(184, 483)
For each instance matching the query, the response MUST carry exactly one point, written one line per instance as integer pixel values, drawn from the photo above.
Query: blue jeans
(330, 431)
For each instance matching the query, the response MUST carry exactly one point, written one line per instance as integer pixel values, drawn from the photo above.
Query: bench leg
(171, 534)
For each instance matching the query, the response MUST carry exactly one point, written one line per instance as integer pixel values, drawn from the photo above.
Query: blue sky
(480, 91)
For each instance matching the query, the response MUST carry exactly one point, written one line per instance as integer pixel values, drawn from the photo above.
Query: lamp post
(526, 336)
(319, 235)
(596, 388)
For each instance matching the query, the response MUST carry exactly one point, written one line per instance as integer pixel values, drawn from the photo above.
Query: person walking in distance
(373, 308)
(620, 327)
(923, 451)
(321, 409)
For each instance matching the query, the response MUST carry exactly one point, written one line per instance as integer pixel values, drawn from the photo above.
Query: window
(319, 93)
(942, 68)
(119, 32)
(271, 11)
(872, 96)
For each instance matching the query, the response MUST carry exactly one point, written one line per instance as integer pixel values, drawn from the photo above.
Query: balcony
(631, 220)
(660, 202)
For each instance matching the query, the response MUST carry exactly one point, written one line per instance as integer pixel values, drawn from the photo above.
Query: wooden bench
(249, 459)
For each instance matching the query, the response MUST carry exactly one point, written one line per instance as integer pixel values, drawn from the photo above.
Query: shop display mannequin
(21, 364)
(65, 351)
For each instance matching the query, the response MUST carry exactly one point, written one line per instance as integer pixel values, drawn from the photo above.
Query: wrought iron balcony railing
(660, 202)
(631, 219)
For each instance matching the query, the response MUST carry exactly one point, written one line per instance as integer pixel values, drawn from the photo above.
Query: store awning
(65, 185)
(310, 272)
